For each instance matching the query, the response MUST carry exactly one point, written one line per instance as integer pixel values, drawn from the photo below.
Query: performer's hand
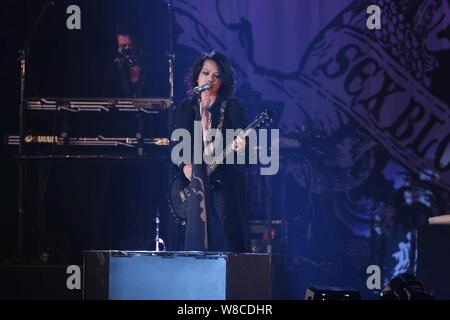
(187, 170)
(239, 144)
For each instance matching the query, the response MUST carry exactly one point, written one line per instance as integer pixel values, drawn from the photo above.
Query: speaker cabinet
(148, 275)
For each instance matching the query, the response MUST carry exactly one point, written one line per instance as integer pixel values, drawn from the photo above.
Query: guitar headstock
(264, 119)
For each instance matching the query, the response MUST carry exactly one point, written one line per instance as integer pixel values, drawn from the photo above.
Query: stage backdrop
(364, 118)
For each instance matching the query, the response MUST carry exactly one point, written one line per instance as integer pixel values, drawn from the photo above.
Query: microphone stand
(23, 62)
(171, 57)
(170, 124)
(158, 240)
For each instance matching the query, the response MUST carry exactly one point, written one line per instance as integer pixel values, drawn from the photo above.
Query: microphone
(204, 87)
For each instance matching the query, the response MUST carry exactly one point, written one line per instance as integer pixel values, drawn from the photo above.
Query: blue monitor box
(176, 275)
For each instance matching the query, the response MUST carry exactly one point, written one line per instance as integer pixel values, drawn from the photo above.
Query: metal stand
(23, 61)
(21, 209)
(171, 57)
(158, 240)
(171, 108)
(269, 226)
(170, 120)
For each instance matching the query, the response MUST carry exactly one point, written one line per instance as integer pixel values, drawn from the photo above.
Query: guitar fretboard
(219, 159)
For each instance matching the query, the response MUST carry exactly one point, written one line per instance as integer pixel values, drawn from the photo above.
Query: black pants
(217, 235)
(195, 235)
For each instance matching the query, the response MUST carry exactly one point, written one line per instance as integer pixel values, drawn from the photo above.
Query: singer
(217, 219)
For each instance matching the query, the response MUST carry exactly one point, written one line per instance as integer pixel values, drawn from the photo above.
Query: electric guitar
(180, 191)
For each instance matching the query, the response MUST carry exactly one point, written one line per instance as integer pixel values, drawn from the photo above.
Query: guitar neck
(228, 150)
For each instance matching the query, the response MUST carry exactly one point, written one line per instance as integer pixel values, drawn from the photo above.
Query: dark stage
(345, 189)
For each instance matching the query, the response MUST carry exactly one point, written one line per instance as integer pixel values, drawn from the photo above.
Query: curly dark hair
(225, 69)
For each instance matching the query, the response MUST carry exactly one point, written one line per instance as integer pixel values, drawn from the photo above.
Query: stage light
(331, 293)
(406, 287)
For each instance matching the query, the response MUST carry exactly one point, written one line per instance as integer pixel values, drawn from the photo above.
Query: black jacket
(233, 175)
(117, 83)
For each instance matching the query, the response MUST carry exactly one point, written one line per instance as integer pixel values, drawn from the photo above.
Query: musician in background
(131, 75)
(134, 73)
(224, 227)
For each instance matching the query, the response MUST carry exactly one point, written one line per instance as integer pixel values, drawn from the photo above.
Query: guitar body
(179, 196)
